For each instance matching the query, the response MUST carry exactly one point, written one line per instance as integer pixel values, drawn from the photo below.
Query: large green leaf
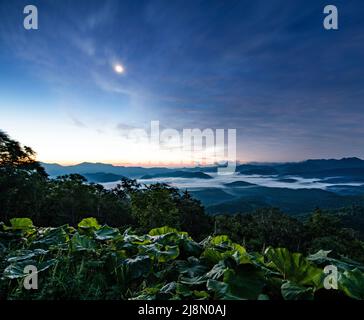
(322, 258)
(214, 256)
(319, 257)
(191, 268)
(167, 236)
(352, 284)
(52, 237)
(21, 255)
(159, 252)
(162, 231)
(82, 242)
(246, 281)
(221, 290)
(134, 268)
(200, 295)
(220, 240)
(294, 267)
(190, 247)
(89, 224)
(167, 239)
(169, 287)
(134, 239)
(16, 270)
(23, 224)
(183, 290)
(221, 247)
(292, 291)
(217, 271)
(107, 233)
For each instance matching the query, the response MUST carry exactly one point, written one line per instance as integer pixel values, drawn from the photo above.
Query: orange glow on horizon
(131, 164)
(127, 164)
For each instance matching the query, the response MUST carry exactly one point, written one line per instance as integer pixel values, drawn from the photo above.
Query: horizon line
(159, 165)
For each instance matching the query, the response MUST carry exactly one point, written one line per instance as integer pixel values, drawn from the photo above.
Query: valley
(295, 188)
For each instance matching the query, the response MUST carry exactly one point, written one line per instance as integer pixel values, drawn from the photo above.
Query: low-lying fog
(219, 181)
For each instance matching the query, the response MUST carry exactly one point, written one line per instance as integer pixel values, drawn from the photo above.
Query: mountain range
(319, 168)
(343, 182)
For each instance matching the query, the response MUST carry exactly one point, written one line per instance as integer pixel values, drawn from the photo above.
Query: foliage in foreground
(100, 262)
(27, 191)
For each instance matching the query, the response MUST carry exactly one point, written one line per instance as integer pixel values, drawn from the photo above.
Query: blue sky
(267, 68)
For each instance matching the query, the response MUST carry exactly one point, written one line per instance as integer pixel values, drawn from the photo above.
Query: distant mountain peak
(352, 159)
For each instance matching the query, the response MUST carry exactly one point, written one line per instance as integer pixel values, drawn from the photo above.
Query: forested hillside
(249, 255)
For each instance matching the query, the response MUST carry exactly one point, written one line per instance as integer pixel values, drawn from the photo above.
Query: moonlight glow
(119, 68)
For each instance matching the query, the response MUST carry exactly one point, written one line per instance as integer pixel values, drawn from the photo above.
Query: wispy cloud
(78, 123)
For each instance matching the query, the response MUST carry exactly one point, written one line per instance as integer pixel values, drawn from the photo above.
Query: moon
(119, 68)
